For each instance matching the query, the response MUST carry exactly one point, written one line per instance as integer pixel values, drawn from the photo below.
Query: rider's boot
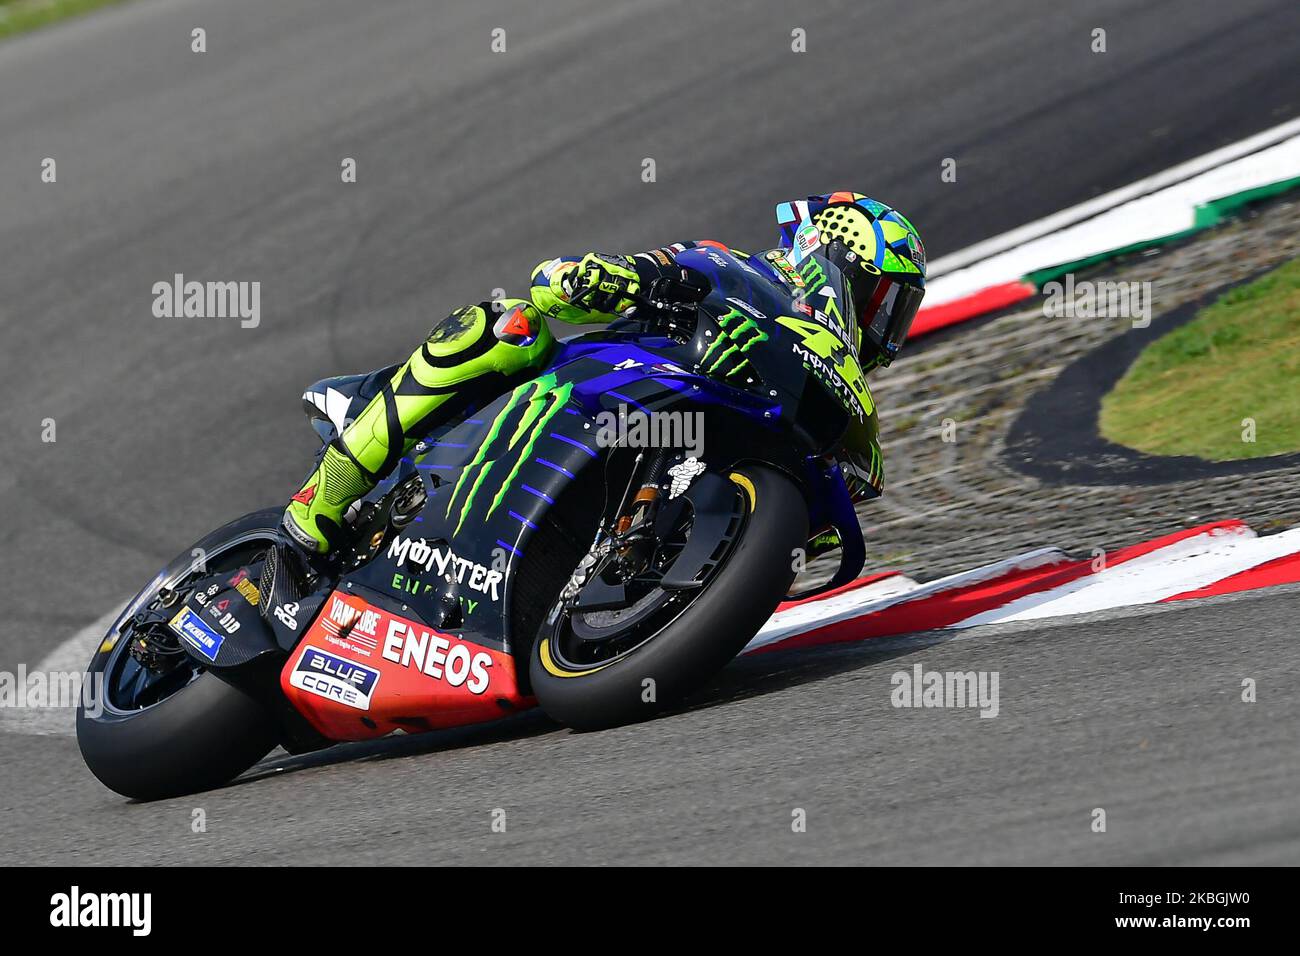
(469, 357)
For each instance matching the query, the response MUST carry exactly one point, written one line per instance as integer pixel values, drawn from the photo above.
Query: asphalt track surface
(473, 166)
(1139, 715)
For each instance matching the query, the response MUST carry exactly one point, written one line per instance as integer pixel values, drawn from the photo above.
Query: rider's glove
(601, 283)
(596, 285)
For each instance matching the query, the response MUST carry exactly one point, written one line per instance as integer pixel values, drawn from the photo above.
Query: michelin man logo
(683, 474)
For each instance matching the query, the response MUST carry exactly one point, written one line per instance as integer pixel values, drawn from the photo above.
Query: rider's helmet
(878, 251)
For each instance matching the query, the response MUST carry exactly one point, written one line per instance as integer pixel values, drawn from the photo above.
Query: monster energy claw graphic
(541, 400)
(736, 337)
(814, 276)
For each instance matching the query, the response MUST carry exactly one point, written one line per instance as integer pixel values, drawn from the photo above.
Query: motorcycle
(528, 552)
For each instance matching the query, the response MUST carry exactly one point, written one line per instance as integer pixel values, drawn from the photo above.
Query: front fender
(826, 487)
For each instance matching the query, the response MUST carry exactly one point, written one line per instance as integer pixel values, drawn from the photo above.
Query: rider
(478, 351)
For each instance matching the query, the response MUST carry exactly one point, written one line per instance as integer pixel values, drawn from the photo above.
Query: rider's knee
(505, 336)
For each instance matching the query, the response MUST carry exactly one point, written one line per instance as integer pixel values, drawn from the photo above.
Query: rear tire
(203, 736)
(712, 630)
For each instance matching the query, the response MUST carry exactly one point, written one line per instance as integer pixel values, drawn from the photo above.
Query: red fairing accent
(362, 672)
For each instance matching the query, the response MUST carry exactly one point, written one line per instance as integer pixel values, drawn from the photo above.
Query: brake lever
(663, 313)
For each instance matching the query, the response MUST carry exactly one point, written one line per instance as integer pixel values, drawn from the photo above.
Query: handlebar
(676, 318)
(669, 302)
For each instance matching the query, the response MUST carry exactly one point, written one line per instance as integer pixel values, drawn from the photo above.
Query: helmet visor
(885, 310)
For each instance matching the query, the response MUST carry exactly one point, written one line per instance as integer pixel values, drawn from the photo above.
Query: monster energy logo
(812, 274)
(541, 400)
(737, 337)
(876, 474)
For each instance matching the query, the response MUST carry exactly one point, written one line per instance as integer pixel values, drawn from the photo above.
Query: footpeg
(408, 501)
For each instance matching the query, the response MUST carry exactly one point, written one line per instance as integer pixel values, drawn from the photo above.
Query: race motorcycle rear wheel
(600, 670)
(175, 728)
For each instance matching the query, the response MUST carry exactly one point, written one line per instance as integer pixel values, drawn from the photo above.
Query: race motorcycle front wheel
(601, 668)
(162, 725)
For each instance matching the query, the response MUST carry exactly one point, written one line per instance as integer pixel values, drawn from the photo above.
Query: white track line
(1093, 207)
(1168, 212)
(71, 656)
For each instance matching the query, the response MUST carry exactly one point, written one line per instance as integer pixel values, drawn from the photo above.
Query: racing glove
(593, 288)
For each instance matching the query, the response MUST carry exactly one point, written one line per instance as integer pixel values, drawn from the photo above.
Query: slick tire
(712, 630)
(200, 737)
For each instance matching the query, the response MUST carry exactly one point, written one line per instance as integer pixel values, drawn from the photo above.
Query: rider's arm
(555, 279)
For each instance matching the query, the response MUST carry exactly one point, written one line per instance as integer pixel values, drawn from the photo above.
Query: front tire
(714, 628)
(198, 732)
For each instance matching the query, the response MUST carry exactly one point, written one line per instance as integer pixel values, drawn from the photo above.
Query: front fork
(638, 514)
(629, 538)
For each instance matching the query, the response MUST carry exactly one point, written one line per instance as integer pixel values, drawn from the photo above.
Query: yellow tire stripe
(748, 485)
(554, 669)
